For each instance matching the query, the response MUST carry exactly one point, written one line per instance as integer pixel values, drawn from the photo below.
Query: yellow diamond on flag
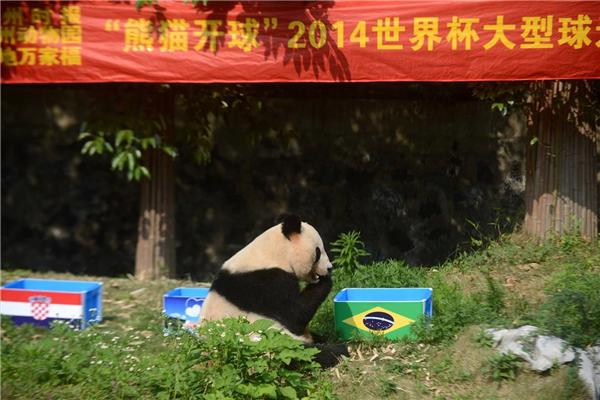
(378, 321)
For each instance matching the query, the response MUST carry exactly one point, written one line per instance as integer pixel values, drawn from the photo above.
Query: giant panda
(262, 280)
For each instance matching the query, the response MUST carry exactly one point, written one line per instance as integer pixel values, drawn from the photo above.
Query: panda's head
(306, 254)
(292, 245)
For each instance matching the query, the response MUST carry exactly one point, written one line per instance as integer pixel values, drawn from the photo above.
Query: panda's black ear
(290, 224)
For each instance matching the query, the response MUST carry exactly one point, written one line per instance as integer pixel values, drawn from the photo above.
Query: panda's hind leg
(330, 354)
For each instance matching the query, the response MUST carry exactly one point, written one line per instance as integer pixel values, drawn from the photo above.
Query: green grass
(515, 280)
(228, 359)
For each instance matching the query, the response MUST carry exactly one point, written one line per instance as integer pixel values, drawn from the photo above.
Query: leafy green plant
(453, 310)
(571, 239)
(478, 238)
(503, 367)
(98, 364)
(230, 359)
(494, 296)
(572, 309)
(347, 249)
(127, 150)
(484, 338)
(251, 360)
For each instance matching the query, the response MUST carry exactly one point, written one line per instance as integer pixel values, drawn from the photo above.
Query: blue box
(182, 306)
(43, 301)
(387, 312)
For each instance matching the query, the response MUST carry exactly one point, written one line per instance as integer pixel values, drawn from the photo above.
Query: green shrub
(572, 309)
(37, 363)
(494, 296)
(390, 273)
(484, 338)
(379, 274)
(503, 367)
(243, 360)
(226, 359)
(452, 310)
(347, 250)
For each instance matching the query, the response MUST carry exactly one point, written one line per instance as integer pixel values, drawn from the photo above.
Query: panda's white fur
(295, 254)
(273, 249)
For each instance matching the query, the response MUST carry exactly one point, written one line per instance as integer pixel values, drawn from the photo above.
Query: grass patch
(572, 310)
(502, 367)
(227, 359)
(459, 370)
(553, 284)
(515, 280)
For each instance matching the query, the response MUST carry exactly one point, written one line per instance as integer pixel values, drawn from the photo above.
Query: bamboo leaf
(131, 161)
(114, 162)
(99, 145)
(144, 171)
(170, 150)
(120, 137)
(86, 147)
(117, 161)
(145, 142)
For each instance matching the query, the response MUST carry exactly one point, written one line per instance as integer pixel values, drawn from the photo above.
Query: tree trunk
(560, 192)
(155, 253)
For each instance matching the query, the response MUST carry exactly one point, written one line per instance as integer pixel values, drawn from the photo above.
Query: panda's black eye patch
(318, 257)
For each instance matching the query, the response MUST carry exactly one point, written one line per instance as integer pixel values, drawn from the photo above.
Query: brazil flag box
(387, 312)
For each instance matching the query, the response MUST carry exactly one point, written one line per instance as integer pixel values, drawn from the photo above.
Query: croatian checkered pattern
(39, 310)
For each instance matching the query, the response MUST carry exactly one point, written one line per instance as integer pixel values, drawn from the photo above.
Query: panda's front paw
(325, 280)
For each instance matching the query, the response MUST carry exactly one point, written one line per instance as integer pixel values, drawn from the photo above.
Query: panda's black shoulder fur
(274, 293)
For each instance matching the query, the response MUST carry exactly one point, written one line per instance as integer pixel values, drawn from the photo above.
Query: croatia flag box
(43, 301)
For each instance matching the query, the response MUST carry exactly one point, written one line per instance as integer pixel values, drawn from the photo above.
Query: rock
(550, 350)
(510, 335)
(586, 374)
(589, 369)
(543, 352)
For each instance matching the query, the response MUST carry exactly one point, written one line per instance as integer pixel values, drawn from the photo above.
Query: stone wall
(407, 165)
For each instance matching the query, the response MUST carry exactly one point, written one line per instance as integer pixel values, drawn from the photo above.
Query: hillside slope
(510, 282)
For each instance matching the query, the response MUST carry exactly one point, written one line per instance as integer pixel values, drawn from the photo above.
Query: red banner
(181, 41)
